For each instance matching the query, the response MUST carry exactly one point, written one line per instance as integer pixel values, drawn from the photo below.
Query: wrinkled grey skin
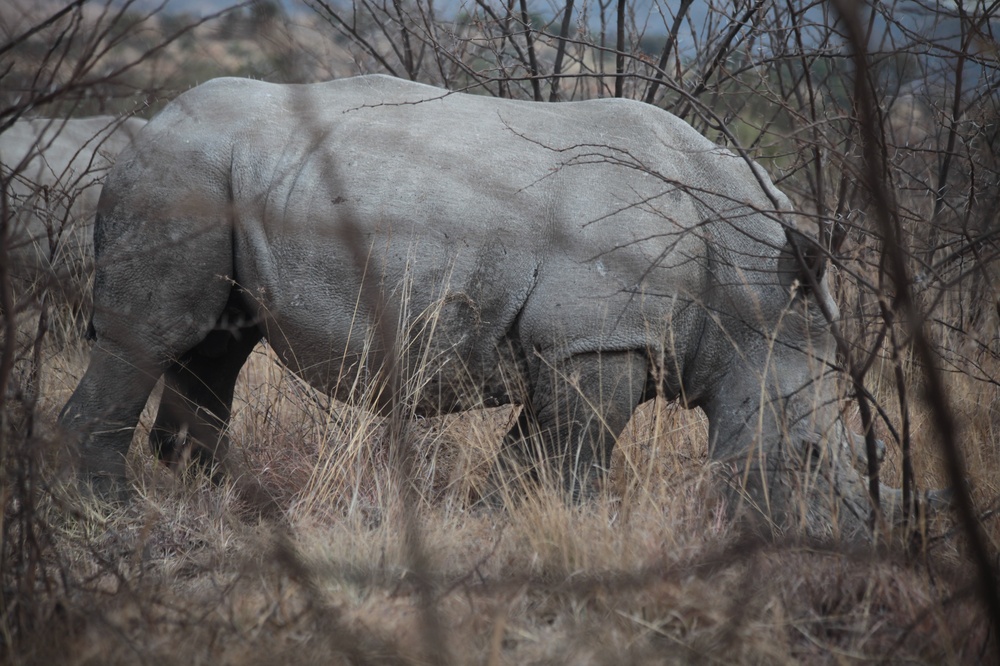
(574, 258)
(54, 168)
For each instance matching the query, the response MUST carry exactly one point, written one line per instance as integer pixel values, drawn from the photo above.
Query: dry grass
(650, 572)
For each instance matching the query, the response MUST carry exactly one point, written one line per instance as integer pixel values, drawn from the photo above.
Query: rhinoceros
(53, 169)
(576, 259)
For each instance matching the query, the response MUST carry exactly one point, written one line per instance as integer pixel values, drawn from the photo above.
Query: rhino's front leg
(577, 409)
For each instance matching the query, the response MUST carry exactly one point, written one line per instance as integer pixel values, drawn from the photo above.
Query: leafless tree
(881, 121)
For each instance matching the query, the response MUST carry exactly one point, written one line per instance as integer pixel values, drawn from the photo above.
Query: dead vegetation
(363, 566)
(651, 572)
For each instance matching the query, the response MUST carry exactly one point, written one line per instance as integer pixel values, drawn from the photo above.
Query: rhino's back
(432, 164)
(405, 127)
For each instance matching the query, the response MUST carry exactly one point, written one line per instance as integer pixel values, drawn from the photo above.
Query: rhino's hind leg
(103, 412)
(578, 408)
(197, 401)
(161, 282)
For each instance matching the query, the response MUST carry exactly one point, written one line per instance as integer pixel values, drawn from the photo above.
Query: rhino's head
(775, 416)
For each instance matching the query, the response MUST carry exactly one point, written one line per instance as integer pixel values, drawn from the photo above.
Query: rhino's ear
(803, 260)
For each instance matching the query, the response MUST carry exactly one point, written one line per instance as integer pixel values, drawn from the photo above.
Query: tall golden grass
(649, 571)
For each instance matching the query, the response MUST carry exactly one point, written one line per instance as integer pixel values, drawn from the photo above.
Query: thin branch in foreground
(936, 395)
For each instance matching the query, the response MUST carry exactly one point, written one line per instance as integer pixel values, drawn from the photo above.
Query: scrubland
(350, 538)
(358, 565)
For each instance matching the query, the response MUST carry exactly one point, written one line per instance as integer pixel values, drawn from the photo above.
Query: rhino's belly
(444, 364)
(467, 376)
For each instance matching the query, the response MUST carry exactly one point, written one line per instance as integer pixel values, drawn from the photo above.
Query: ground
(357, 567)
